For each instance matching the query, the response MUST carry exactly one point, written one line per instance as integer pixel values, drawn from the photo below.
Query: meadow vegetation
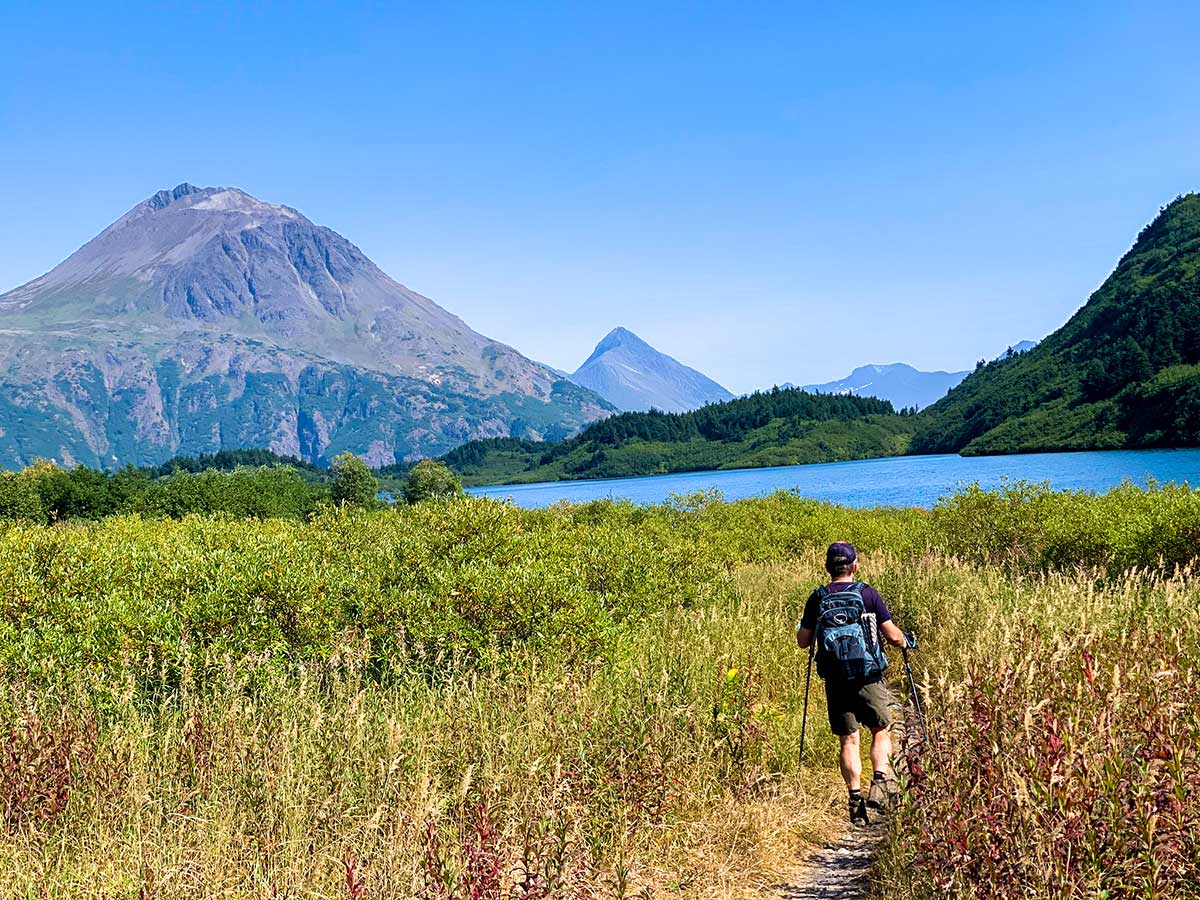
(1064, 757)
(461, 699)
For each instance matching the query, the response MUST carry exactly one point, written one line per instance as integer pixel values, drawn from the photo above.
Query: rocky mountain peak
(632, 375)
(165, 198)
(209, 199)
(621, 334)
(900, 383)
(619, 338)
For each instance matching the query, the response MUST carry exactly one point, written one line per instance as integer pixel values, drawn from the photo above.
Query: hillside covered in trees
(1124, 371)
(772, 428)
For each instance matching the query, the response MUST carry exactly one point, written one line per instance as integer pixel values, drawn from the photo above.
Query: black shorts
(852, 704)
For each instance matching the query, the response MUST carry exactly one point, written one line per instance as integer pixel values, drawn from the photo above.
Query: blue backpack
(846, 650)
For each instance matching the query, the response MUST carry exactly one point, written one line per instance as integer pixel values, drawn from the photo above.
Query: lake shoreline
(910, 480)
(831, 462)
(498, 484)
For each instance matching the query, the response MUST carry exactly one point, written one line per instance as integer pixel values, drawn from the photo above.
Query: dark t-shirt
(875, 611)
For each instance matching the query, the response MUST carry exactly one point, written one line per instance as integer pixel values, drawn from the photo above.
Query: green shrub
(20, 499)
(1031, 525)
(353, 482)
(430, 478)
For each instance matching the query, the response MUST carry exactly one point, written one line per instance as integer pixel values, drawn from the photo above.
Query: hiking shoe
(858, 811)
(883, 793)
(876, 799)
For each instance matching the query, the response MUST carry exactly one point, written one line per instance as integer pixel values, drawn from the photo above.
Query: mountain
(633, 376)
(900, 383)
(1124, 371)
(205, 319)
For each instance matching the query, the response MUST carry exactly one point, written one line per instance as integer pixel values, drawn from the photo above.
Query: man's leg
(884, 790)
(851, 761)
(843, 723)
(881, 750)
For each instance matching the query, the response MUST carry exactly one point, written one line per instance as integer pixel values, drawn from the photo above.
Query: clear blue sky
(772, 194)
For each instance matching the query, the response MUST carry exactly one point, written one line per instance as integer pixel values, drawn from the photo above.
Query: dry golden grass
(747, 847)
(757, 838)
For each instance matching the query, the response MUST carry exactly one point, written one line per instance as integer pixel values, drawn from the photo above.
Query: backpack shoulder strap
(820, 593)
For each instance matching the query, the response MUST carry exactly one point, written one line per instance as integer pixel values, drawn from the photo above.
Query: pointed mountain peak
(623, 334)
(632, 375)
(619, 339)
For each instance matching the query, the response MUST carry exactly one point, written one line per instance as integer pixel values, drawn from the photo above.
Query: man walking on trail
(848, 622)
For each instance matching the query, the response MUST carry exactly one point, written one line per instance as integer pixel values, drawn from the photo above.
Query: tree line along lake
(890, 481)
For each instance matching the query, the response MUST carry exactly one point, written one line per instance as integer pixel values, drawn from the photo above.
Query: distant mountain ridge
(1124, 371)
(635, 377)
(205, 319)
(903, 385)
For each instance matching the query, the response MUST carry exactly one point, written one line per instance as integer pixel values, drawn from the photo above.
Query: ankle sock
(855, 793)
(880, 776)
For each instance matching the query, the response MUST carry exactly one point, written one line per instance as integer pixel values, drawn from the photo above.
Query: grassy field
(463, 699)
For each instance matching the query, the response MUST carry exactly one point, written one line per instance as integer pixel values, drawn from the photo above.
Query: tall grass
(660, 761)
(1065, 759)
(462, 699)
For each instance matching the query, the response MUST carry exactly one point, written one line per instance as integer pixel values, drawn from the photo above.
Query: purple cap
(839, 554)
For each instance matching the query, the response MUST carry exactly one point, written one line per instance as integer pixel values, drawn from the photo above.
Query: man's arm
(808, 622)
(887, 628)
(891, 634)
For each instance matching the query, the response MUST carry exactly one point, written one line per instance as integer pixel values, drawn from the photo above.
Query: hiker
(848, 619)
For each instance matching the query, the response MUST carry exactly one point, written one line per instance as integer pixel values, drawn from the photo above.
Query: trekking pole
(804, 720)
(916, 697)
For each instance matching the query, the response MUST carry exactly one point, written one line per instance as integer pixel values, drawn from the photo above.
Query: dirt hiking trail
(841, 870)
(838, 871)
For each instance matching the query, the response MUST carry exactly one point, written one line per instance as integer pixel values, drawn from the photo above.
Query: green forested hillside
(779, 427)
(1124, 371)
(228, 460)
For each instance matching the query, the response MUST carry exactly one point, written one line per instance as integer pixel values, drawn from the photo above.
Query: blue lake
(898, 481)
